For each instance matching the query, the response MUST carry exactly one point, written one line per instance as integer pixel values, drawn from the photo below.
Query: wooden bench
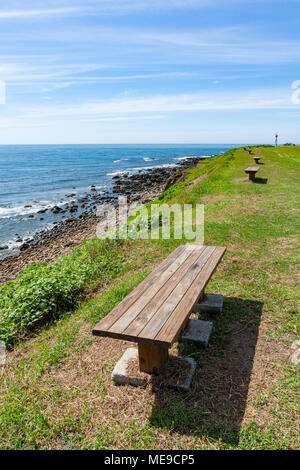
(252, 170)
(156, 311)
(256, 160)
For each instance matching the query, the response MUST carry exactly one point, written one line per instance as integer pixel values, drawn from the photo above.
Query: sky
(149, 71)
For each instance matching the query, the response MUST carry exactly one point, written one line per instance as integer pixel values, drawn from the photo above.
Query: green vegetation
(43, 291)
(56, 390)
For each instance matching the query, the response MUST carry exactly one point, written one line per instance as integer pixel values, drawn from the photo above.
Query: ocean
(35, 177)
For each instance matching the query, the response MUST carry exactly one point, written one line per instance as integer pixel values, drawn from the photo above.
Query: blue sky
(149, 71)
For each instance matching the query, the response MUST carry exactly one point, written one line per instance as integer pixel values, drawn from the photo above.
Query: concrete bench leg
(152, 358)
(120, 375)
(198, 332)
(212, 303)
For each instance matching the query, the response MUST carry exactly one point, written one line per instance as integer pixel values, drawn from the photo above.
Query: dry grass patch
(271, 357)
(211, 199)
(241, 180)
(286, 243)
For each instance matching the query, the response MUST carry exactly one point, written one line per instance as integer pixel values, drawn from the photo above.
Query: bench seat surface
(158, 308)
(251, 168)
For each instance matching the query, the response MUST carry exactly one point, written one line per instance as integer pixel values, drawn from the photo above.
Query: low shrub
(42, 291)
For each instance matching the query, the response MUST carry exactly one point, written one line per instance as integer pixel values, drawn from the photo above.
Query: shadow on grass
(261, 180)
(215, 405)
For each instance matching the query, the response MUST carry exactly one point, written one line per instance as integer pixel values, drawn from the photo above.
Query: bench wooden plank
(145, 315)
(157, 309)
(125, 320)
(171, 329)
(154, 326)
(119, 310)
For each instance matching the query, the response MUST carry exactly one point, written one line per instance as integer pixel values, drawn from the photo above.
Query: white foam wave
(116, 173)
(18, 210)
(192, 156)
(13, 211)
(152, 167)
(121, 160)
(141, 168)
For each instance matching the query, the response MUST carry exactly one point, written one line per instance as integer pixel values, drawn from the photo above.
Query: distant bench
(252, 170)
(156, 311)
(256, 160)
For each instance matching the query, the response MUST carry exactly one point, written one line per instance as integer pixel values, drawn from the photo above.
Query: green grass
(56, 390)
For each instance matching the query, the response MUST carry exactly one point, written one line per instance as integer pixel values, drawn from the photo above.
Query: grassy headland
(56, 390)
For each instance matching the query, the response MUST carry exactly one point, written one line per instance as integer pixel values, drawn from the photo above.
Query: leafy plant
(43, 291)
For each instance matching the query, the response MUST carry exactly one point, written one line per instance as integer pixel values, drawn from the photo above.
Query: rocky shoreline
(49, 244)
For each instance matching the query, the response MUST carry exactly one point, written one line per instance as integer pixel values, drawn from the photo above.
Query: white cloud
(20, 72)
(229, 45)
(124, 107)
(105, 7)
(20, 122)
(7, 14)
(126, 118)
(54, 8)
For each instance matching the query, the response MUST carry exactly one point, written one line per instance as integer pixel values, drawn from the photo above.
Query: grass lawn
(56, 392)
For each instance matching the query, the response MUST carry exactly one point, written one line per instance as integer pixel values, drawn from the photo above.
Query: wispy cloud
(127, 118)
(19, 120)
(105, 7)
(115, 7)
(7, 14)
(49, 82)
(20, 72)
(224, 45)
(124, 107)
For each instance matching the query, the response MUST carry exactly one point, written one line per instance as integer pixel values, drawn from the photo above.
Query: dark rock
(3, 247)
(56, 210)
(24, 246)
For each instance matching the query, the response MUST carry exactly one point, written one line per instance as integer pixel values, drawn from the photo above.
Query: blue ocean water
(41, 176)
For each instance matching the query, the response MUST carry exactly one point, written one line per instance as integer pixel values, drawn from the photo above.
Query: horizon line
(147, 143)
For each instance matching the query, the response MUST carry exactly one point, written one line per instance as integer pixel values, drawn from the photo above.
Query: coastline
(49, 245)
